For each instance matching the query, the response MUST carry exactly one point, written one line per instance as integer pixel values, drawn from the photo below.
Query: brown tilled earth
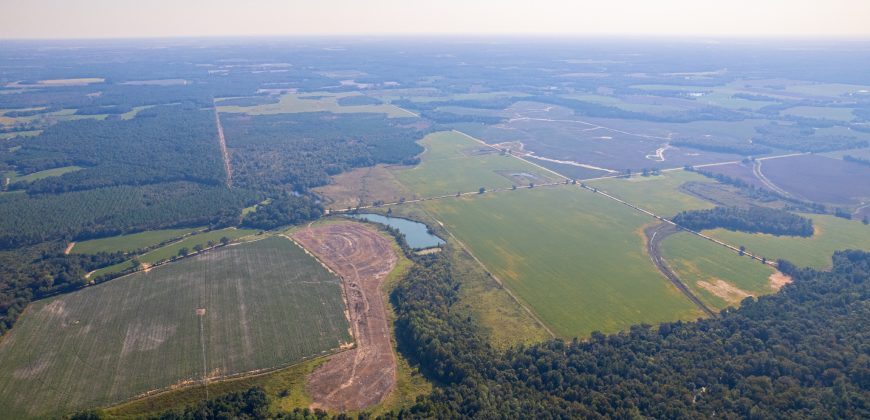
(365, 375)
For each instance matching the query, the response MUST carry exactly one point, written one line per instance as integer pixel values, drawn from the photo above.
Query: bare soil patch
(362, 186)
(724, 290)
(365, 375)
(777, 280)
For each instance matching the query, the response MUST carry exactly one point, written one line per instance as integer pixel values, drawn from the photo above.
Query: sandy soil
(777, 280)
(365, 375)
(727, 291)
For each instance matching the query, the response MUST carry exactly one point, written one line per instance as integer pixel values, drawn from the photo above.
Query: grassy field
(501, 318)
(718, 276)
(13, 177)
(658, 194)
(832, 234)
(454, 162)
(171, 250)
(131, 242)
(576, 259)
(265, 304)
(316, 102)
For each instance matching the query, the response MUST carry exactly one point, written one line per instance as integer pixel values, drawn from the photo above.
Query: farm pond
(417, 235)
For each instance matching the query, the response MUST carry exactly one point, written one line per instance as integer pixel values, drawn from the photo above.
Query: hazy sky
(160, 18)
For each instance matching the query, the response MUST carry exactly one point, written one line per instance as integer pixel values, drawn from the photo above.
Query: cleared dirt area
(365, 375)
(362, 186)
(777, 280)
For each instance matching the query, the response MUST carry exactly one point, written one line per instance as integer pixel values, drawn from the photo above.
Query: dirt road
(365, 375)
(223, 143)
(655, 235)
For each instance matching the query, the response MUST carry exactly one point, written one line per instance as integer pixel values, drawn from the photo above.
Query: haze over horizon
(53, 19)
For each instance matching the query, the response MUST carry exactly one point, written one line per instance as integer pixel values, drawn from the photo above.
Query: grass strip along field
(576, 260)
(171, 250)
(659, 194)
(236, 309)
(131, 242)
(453, 162)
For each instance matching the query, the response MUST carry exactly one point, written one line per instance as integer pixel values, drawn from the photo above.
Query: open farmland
(291, 103)
(658, 194)
(718, 276)
(831, 234)
(820, 178)
(557, 133)
(576, 259)
(131, 242)
(237, 309)
(454, 162)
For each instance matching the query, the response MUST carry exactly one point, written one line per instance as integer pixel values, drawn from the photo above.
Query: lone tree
(224, 240)
(742, 250)
(183, 252)
(197, 248)
(481, 190)
(513, 187)
(865, 220)
(531, 185)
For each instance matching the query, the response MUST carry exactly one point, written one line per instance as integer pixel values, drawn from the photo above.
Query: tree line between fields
(801, 353)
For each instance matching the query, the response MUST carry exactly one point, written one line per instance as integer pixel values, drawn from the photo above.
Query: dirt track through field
(655, 235)
(223, 143)
(366, 374)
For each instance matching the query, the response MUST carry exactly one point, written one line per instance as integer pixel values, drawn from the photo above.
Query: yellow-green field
(131, 242)
(13, 177)
(576, 259)
(832, 234)
(237, 309)
(291, 103)
(454, 162)
(171, 250)
(718, 276)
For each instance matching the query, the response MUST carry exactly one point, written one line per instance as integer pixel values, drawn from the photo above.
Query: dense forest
(753, 219)
(162, 144)
(295, 152)
(115, 210)
(803, 138)
(801, 353)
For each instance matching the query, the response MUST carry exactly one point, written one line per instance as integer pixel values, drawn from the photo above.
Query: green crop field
(658, 194)
(832, 234)
(131, 242)
(171, 250)
(291, 103)
(718, 276)
(13, 177)
(578, 260)
(265, 304)
(454, 162)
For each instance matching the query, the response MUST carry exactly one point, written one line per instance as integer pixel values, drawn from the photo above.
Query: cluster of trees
(442, 117)
(34, 272)
(592, 109)
(295, 152)
(163, 144)
(30, 219)
(285, 210)
(803, 137)
(753, 219)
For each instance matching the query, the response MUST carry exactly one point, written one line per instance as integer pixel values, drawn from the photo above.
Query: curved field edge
(145, 332)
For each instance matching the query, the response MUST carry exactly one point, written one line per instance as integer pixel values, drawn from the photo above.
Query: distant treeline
(753, 220)
(803, 138)
(710, 145)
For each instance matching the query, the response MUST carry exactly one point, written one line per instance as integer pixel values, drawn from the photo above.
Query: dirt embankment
(365, 375)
